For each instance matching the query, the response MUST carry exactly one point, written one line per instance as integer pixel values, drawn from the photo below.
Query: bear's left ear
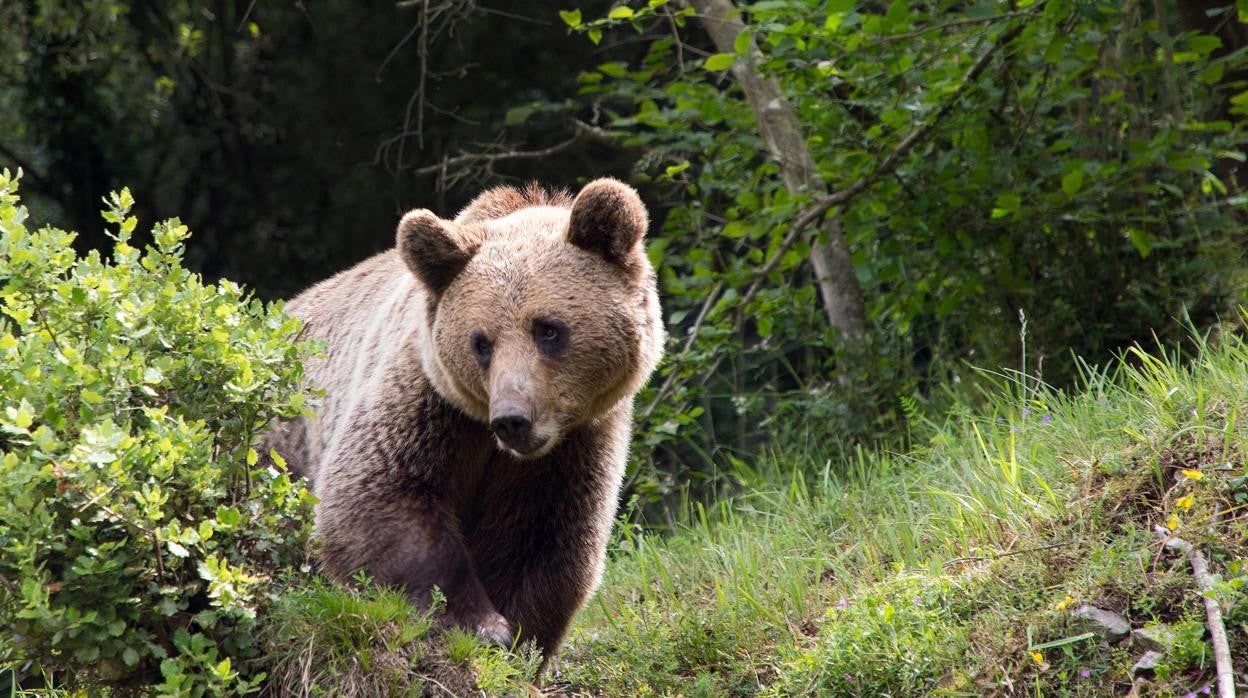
(431, 248)
(608, 218)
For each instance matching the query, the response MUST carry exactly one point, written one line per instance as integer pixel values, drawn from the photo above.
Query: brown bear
(479, 380)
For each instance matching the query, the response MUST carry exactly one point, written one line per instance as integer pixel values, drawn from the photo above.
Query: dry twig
(1213, 611)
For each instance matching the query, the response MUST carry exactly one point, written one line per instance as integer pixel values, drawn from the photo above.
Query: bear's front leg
(541, 535)
(405, 539)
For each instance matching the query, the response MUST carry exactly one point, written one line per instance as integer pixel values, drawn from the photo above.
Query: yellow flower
(1184, 503)
(1037, 658)
(1064, 604)
(1192, 474)
(1172, 522)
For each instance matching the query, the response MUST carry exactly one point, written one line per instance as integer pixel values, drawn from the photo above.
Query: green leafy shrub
(137, 532)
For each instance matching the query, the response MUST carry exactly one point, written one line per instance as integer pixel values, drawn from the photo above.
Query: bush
(138, 536)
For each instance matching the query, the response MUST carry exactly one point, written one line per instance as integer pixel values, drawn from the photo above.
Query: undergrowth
(955, 568)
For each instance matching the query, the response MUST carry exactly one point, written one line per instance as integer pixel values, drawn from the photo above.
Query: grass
(329, 641)
(953, 569)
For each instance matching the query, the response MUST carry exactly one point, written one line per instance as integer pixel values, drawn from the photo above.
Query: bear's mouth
(524, 448)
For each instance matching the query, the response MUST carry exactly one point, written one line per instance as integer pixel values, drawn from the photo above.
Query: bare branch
(489, 159)
(1213, 611)
(693, 336)
(892, 38)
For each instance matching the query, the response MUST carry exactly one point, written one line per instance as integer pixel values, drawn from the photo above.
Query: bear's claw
(495, 629)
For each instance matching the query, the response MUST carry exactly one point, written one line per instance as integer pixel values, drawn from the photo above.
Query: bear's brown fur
(478, 385)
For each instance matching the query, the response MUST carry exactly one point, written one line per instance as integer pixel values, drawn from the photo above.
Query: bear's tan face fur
(543, 318)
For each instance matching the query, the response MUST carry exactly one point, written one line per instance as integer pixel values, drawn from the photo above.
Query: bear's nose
(514, 429)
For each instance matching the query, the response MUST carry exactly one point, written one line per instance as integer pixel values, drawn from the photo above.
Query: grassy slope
(949, 570)
(939, 571)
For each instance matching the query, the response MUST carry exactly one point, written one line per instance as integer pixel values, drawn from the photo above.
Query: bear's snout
(511, 421)
(514, 429)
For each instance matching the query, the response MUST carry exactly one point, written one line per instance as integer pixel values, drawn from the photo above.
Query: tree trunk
(782, 134)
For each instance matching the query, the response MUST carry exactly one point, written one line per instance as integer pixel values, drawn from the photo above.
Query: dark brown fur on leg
(414, 545)
(542, 530)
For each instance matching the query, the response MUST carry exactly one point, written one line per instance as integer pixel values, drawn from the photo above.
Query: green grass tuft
(327, 640)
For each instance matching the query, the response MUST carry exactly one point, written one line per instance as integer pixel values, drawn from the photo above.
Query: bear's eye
(550, 336)
(482, 348)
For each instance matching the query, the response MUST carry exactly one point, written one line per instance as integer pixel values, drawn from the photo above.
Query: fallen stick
(1213, 611)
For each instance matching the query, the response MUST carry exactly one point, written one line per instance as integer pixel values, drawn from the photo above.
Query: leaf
(177, 549)
(672, 170)
(614, 69)
(741, 44)
(517, 115)
(621, 13)
(1072, 182)
(765, 326)
(572, 18)
(736, 229)
(898, 12)
(1204, 44)
(1142, 241)
(720, 61)
(595, 35)
(1006, 204)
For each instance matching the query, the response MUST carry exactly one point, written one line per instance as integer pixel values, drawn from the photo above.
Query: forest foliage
(1072, 167)
(857, 206)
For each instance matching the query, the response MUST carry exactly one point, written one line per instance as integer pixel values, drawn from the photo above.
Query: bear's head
(542, 310)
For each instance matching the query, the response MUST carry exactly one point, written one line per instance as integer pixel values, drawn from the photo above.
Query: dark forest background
(950, 190)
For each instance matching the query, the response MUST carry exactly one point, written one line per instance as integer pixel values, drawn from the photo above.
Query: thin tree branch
(491, 158)
(951, 25)
(693, 335)
(1213, 611)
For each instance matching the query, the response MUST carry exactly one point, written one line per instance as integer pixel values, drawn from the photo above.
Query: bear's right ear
(608, 218)
(431, 249)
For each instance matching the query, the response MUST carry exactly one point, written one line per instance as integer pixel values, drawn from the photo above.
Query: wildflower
(1037, 657)
(1026, 412)
(1085, 673)
(1193, 474)
(1172, 522)
(918, 601)
(1206, 689)
(842, 604)
(1184, 503)
(849, 677)
(1063, 604)
(1046, 418)
(1190, 694)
